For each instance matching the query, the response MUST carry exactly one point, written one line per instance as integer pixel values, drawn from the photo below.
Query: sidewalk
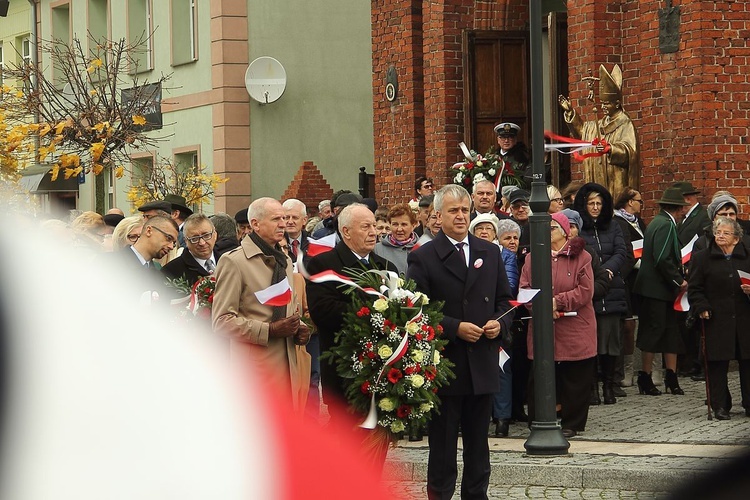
(643, 444)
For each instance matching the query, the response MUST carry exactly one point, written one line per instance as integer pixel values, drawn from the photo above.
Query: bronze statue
(618, 166)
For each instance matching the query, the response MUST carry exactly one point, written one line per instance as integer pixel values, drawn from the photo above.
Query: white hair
(483, 181)
(323, 204)
(452, 190)
(346, 217)
(257, 209)
(293, 203)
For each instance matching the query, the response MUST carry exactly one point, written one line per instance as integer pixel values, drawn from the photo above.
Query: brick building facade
(690, 107)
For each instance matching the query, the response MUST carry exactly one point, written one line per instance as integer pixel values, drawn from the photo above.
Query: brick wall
(690, 107)
(309, 187)
(419, 133)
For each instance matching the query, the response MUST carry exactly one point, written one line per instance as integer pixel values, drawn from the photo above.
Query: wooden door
(496, 85)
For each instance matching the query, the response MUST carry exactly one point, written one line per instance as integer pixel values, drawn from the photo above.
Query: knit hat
(480, 218)
(718, 203)
(573, 217)
(562, 219)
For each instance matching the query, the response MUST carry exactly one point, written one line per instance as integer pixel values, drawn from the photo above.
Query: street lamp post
(546, 435)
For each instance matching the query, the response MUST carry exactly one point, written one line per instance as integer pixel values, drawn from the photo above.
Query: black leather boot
(646, 384)
(671, 384)
(608, 372)
(595, 399)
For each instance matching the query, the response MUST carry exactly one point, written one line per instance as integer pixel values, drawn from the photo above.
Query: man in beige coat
(263, 337)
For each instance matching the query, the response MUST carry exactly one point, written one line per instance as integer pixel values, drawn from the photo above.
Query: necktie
(365, 262)
(210, 266)
(460, 247)
(295, 248)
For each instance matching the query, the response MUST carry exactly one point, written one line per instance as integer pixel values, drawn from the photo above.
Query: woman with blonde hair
(89, 230)
(127, 232)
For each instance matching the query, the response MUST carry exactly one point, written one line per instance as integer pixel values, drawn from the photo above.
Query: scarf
(412, 240)
(279, 270)
(626, 215)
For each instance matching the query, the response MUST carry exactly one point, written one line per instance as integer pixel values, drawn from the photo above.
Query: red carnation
(371, 355)
(410, 370)
(210, 299)
(365, 388)
(403, 411)
(419, 336)
(363, 312)
(394, 375)
(429, 373)
(440, 328)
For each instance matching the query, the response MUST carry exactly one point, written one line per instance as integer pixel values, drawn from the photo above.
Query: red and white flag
(524, 296)
(322, 245)
(278, 294)
(687, 250)
(638, 248)
(503, 359)
(331, 275)
(744, 277)
(681, 302)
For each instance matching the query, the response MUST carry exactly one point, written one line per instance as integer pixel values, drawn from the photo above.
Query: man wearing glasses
(423, 186)
(199, 259)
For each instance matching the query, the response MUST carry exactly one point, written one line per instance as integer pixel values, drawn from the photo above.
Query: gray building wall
(325, 114)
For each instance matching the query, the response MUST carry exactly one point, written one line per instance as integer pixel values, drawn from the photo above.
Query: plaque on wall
(669, 28)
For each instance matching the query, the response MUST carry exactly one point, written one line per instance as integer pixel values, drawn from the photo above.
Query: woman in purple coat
(575, 336)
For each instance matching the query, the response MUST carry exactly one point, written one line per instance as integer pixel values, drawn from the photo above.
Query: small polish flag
(681, 302)
(744, 277)
(316, 247)
(638, 248)
(279, 294)
(687, 250)
(524, 296)
(503, 359)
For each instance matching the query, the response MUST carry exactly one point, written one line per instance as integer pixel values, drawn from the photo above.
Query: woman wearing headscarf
(722, 302)
(575, 336)
(594, 203)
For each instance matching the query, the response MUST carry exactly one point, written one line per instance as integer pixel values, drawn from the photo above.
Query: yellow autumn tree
(90, 116)
(194, 184)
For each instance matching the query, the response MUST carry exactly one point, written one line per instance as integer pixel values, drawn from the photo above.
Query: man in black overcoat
(198, 259)
(327, 301)
(472, 282)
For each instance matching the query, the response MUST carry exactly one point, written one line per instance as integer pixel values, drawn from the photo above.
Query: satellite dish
(265, 79)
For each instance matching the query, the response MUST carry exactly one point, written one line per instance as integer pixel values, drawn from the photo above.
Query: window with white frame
(184, 31)
(140, 30)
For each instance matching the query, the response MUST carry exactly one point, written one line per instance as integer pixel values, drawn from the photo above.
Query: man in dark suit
(158, 238)
(198, 259)
(327, 301)
(695, 221)
(468, 274)
(296, 218)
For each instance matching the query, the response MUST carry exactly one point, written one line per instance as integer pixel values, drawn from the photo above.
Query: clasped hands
(290, 327)
(471, 332)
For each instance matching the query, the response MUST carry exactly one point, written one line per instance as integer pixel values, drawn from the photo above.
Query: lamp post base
(546, 438)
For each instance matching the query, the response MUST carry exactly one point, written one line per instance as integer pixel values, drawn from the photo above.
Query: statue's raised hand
(565, 103)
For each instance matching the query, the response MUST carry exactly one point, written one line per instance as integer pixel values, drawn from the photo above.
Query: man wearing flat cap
(659, 280)
(514, 153)
(696, 217)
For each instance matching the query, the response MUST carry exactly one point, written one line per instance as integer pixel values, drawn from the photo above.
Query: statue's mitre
(610, 84)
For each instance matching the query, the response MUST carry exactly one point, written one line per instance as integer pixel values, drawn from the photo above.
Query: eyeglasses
(133, 237)
(519, 206)
(639, 200)
(196, 239)
(557, 200)
(594, 204)
(169, 237)
(724, 233)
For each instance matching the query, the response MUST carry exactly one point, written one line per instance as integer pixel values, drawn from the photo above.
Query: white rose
(425, 407)
(479, 164)
(420, 298)
(436, 358)
(458, 178)
(417, 381)
(397, 426)
(380, 305)
(386, 404)
(385, 351)
(491, 171)
(417, 356)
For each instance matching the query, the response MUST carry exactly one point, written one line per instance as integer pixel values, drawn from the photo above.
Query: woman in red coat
(575, 336)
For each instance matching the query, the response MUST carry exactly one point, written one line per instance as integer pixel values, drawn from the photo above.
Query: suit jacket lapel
(450, 256)
(192, 264)
(475, 254)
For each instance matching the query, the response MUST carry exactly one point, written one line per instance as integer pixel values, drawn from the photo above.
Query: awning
(38, 179)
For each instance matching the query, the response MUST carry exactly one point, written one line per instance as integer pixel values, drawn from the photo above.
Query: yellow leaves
(71, 172)
(119, 171)
(19, 94)
(46, 150)
(93, 92)
(96, 150)
(97, 168)
(6, 88)
(60, 127)
(103, 129)
(95, 64)
(55, 172)
(139, 120)
(70, 160)
(33, 127)
(44, 129)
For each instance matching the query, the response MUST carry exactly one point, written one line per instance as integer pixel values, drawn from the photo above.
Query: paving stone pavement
(640, 447)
